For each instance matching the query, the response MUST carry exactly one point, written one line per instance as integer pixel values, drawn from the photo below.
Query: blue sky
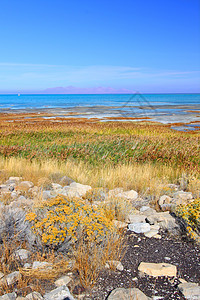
(134, 45)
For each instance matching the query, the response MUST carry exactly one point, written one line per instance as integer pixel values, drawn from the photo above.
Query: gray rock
(114, 263)
(76, 190)
(136, 218)
(130, 195)
(151, 233)
(191, 291)
(48, 195)
(139, 227)
(165, 221)
(182, 197)
(64, 280)
(165, 199)
(11, 278)
(127, 294)
(60, 293)
(25, 185)
(65, 180)
(22, 254)
(9, 296)
(34, 296)
(42, 265)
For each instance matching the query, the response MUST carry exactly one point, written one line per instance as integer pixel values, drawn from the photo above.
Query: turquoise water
(65, 101)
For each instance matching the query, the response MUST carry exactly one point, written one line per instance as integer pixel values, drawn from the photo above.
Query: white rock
(114, 263)
(183, 195)
(155, 269)
(191, 291)
(76, 189)
(139, 227)
(165, 220)
(64, 280)
(22, 254)
(127, 294)
(11, 278)
(130, 195)
(119, 224)
(42, 265)
(151, 233)
(14, 179)
(61, 293)
(34, 296)
(9, 296)
(25, 185)
(27, 265)
(165, 199)
(56, 186)
(136, 218)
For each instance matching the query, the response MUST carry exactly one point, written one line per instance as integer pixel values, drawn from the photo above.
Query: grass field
(128, 154)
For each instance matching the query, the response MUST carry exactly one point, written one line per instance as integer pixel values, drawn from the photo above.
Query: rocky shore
(160, 262)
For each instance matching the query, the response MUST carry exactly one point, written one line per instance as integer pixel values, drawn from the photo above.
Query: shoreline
(179, 117)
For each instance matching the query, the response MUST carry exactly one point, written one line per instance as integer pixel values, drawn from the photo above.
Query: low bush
(190, 213)
(60, 220)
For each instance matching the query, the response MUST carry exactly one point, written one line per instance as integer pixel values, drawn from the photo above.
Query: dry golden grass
(91, 257)
(144, 178)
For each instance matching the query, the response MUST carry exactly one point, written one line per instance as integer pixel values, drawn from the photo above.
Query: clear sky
(137, 45)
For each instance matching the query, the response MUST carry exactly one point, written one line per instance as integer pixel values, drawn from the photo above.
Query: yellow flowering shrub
(63, 218)
(190, 213)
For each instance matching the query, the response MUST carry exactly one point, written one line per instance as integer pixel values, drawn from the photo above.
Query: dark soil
(182, 253)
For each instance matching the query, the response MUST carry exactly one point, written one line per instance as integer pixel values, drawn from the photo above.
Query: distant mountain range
(77, 90)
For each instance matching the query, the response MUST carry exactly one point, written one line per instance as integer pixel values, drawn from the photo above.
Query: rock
(115, 192)
(144, 208)
(130, 195)
(48, 195)
(65, 180)
(119, 224)
(11, 278)
(165, 221)
(22, 254)
(9, 296)
(136, 218)
(14, 179)
(4, 188)
(76, 190)
(34, 296)
(147, 211)
(64, 280)
(157, 236)
(27, 265)
(164, 200)
(158, 269)
(25, 185)
(60, 293)
(22, 198)
(114, 264)
(191, 291)
(151, 233)
(42, 265)
(56, 186)
(139, 227)
(127, 294)
(181, 197)
(14, 195)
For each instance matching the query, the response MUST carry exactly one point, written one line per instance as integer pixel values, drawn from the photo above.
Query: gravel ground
(182, 253)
